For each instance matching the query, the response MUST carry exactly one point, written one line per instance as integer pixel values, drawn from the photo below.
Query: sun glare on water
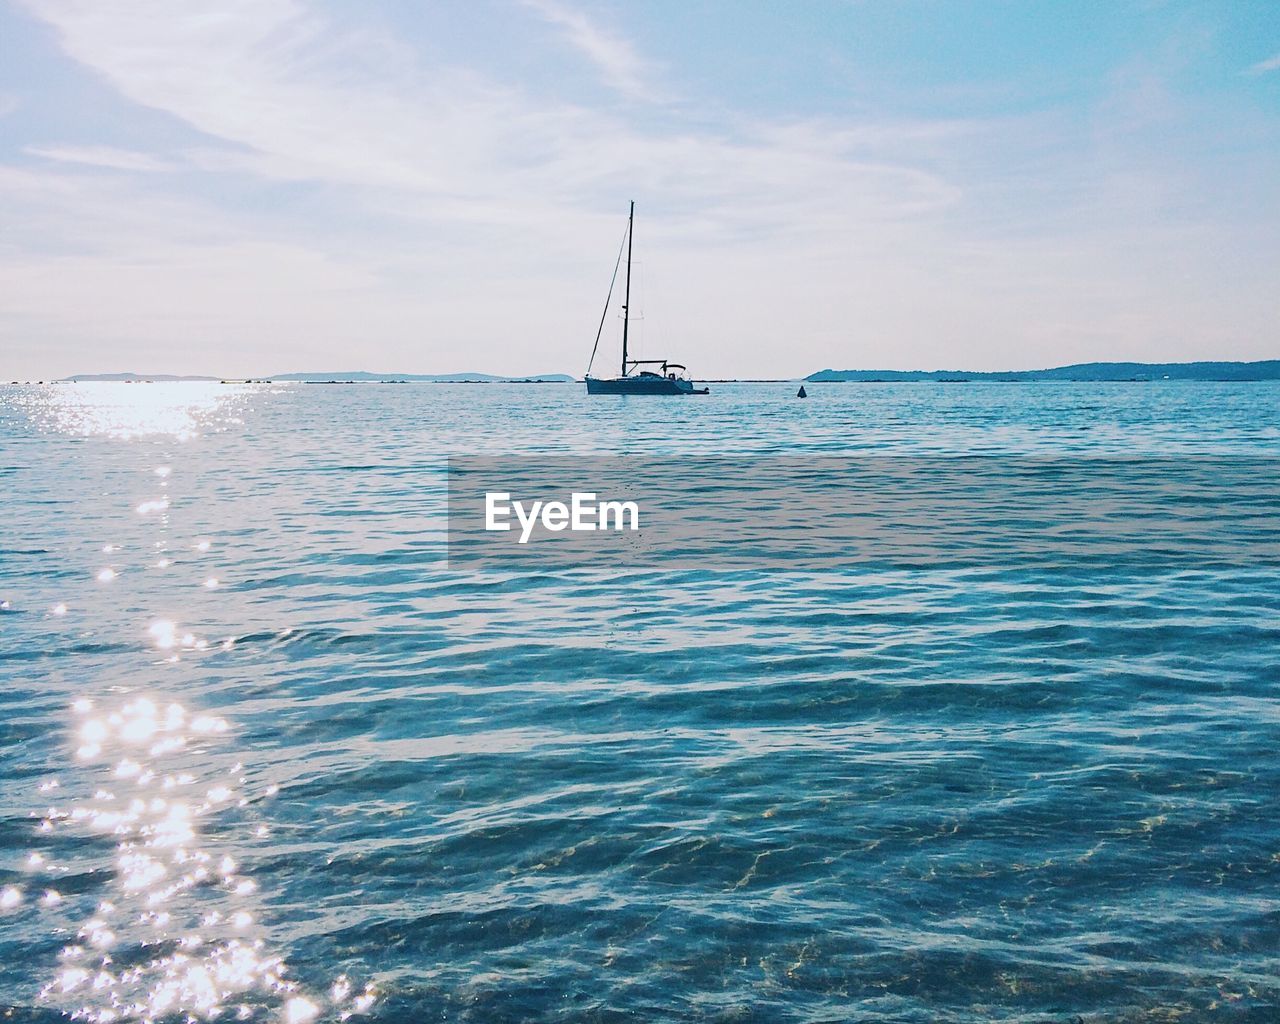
(176, 927)
(178, 410)
(178, 933)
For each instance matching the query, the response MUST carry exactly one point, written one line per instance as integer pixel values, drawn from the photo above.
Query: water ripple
(308, 771)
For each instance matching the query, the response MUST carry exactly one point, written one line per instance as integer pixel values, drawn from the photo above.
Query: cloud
(257, 75)
(100, 156)
(1264, 67)
(290, 98)
(614, 58)
(431, 210)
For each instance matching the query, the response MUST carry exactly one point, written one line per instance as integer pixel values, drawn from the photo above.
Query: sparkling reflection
(179, 935)
(177, 931)
(180, 410)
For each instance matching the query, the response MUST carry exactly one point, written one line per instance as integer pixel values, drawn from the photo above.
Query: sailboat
(668, 379)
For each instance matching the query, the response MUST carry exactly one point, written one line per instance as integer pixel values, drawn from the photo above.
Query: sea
(267, 754)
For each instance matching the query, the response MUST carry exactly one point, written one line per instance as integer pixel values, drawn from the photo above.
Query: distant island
(342, 377)
(158, 377)
(1266, 369)
(427, 378)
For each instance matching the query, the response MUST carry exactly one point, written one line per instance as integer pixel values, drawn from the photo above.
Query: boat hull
(644, 385)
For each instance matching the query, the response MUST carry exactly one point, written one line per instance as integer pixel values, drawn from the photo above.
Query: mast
(626, 302)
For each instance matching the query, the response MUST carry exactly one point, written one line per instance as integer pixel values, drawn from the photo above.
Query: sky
(248, 187)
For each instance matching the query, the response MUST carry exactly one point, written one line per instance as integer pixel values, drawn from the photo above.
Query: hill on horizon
(348, 375)
(1265, 369)
(435, 378)
(162, 377)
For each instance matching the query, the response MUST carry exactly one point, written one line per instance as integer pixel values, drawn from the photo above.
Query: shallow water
(266, 754)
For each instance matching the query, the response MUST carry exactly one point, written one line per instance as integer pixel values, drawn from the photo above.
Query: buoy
(802, 393)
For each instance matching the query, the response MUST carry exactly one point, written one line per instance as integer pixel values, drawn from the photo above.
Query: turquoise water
(266, 757)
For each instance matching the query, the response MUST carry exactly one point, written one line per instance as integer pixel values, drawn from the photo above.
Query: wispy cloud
(101, 156)
(1264, 67)
(615, 60)
(292, 99)
(417, 189)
